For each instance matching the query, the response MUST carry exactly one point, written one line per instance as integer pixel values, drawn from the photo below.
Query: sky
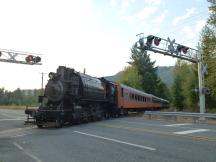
(93, 34)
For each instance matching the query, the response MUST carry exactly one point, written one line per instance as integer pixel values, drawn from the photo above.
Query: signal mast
(169, 47)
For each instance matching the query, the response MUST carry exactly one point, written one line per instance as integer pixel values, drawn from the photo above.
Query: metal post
(201, 82)
(42, 82)
(42, 78)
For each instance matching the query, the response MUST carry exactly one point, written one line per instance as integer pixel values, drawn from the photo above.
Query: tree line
(19, 97)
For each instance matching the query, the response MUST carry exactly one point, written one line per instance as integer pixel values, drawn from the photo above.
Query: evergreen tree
(178, 98)
(192, 96)
(131, 78)
(162, 90)
(146, 70)
(185, 82)
(142, 74)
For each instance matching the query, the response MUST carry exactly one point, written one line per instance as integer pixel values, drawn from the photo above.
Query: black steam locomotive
(71, 96)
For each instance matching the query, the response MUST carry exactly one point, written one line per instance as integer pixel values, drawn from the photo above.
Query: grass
(12, 107)
(211, 110)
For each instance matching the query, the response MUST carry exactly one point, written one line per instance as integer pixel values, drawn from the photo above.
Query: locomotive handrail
(189, 114)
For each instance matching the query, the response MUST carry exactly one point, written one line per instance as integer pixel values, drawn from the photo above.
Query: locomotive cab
(110, 91)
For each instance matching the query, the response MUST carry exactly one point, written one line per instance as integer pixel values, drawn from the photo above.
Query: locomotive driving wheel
(39, 124)
(59, 123)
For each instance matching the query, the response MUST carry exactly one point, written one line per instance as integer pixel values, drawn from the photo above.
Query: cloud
(153, 2)
(160, 18)
(113, 3)
(189, 32)
(189, 12)
(140, 17)
(146, 12)
(124, 5)
(199, 25)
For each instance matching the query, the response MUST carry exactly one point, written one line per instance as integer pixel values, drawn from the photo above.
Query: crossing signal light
(29, 58)
(0, 53)
(157, 41)
(149, 41)
(183, 49)
(37, 59)
(33, 59)
(152, 38)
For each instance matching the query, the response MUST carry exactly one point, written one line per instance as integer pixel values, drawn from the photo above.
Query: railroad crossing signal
(19, 57)
(170, 48)
(204, 69)
(167, 47)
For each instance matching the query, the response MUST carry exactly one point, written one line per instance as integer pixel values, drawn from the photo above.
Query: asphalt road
(123, 139)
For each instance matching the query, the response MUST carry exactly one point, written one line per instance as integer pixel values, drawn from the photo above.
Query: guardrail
(195, 116)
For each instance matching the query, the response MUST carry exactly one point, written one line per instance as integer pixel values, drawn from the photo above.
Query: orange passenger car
(132, 99)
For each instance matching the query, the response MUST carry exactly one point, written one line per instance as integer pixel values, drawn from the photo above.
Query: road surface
(123, 139)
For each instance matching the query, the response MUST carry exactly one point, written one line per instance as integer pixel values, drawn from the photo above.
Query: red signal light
(179, 48)
(185, 49)
(29, 58)
(157, 41)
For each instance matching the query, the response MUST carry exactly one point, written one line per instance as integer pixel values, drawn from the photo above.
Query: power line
(186, 21)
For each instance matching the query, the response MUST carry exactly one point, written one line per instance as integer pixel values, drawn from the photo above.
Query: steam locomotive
(73, 97)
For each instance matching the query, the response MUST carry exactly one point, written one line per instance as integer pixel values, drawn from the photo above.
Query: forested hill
(164, 72)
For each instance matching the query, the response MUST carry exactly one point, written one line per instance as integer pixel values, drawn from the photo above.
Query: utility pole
(42, 81)
(201, 81)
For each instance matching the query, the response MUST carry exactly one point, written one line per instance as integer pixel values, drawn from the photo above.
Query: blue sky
(92, 34)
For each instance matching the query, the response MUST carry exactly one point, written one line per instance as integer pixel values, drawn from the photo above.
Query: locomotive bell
(52, 75)
(54, 90)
